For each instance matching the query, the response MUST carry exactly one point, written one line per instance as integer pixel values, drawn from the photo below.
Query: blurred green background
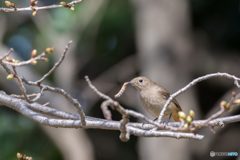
(171, 42)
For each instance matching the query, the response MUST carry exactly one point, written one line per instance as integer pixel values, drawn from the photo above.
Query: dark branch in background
(56, 118)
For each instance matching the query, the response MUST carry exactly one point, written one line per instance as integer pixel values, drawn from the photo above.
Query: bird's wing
(166, 95)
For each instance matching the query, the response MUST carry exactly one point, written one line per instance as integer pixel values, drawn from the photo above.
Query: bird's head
(141, 83)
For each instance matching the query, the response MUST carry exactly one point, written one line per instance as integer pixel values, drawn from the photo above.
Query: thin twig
(6, 68)
(38, 95)
(7, 54)
(106, 112)
(96, 90)
(22, 88)
(37, 8)
(24, 63)
(56, 64)
(70, 99)
(22, 96)
(224, 107)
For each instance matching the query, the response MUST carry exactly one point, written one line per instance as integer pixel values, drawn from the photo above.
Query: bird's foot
(165, 123)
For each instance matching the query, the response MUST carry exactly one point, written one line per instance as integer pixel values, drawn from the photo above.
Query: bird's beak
(131, 83)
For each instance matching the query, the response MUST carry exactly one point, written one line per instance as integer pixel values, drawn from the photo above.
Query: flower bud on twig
(10, 76)
(34, 53)
(16, 61)
(49, 50)
(33, 3)
(29, 158)
(223, 103)
(189, 119)
(10, 4)
(236, 101)
(19, 155)
(233, 94)
(64, 4)
(45, 59)
(191, 113)
(8, 59)
(182, 115)
(33, 62)
(185, 125)
(34, 13)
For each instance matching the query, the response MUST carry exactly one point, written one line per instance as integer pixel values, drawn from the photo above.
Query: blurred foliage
(113, 42)
(20, 134)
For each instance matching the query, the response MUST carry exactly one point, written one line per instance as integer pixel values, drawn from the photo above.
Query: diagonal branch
(195, 81)
(7, 54)
(56, 64)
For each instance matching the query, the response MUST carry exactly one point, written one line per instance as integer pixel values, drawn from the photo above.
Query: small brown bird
(154, 96)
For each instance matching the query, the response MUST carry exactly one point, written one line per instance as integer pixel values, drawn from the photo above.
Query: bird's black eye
(140, 80)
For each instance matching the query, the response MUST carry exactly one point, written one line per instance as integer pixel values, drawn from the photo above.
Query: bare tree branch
(56, 64)
(22, 88)
(73, 120)
(7, 54)
(37, 8)
(56, 118)
(24, 63)
(43, 87)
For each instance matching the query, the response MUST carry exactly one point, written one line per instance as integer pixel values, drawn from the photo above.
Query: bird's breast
(153, 103)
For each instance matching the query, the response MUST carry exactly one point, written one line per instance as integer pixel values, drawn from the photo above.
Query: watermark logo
(213, 154)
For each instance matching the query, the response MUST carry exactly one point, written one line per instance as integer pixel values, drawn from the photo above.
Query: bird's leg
(161, 121)
(166, 122)
(169, 118)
